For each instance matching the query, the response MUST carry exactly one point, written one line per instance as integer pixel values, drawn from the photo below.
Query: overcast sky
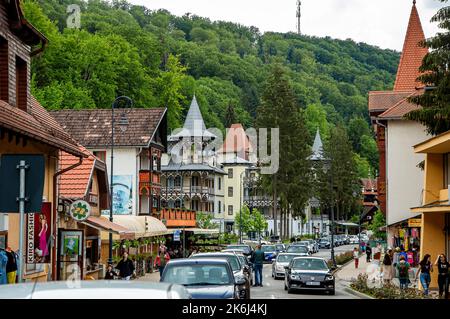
(377, 22)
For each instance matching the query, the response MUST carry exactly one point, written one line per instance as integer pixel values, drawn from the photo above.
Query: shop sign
(415, 222)
(80, 210)
(177, 235)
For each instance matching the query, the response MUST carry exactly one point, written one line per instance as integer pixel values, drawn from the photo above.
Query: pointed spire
(412, 54)
(317, 148)
(194, 119)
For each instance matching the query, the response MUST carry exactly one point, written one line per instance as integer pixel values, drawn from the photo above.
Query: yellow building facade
(435, 210)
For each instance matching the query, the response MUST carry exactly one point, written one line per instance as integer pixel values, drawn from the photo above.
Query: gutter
(55, 214)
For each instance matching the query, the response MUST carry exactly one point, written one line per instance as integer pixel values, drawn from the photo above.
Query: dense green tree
(291, 183)
(357, 128)
(230, 117)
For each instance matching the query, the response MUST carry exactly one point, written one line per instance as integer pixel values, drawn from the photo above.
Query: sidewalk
(152, 277)
(372, 269)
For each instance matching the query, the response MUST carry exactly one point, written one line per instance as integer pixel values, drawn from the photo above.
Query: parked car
(103, 289)
(325, 243)
(281, 248)
(309, 273)
(247, 249)
(247, 265)
(239, 270)
(282, 260)
(270, 252)
(204, 278)
(314, 245)
(298, 249)
(308, 244)
(354, 239)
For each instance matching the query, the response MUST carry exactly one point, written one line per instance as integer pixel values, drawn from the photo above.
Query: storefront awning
(103, 224)
(347, 224)
(196, 231)
(142, 226)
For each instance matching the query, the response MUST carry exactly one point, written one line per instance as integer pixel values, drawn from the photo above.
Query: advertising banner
(123, 194)
(38, 236)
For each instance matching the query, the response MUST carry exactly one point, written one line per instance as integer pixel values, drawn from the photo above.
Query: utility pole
(299, 14)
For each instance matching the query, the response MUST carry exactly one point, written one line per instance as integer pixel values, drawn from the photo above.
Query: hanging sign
(80, 210)
(415, 222)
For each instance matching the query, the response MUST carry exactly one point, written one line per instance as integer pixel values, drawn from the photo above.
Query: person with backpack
(443, 275)
(425, 269)
(403, 273)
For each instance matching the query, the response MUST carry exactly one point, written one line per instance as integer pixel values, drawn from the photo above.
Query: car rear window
(297, 249)
(190, 275)
(232, 260)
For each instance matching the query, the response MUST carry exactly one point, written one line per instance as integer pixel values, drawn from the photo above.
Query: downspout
(55, 213)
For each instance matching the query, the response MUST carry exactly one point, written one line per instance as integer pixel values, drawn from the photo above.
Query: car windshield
(309, 264)
(297, 249)
(303, 243)
(268, 248)
(232, 259)
(198, 275)
(238, 247)
(279, 247)
(285, 258)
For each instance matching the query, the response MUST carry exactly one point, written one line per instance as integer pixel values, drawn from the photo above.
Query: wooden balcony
(178, 217)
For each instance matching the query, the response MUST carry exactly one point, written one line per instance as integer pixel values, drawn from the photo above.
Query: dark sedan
(203, 278)
(309, 273)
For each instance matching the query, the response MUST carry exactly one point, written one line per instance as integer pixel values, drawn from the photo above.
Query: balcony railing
(178, 217)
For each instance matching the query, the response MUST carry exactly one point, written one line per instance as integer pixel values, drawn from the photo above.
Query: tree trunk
(281, 222)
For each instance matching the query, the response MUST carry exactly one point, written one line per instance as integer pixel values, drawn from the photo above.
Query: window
(230, 209)
(101, 155)
(219, 207)
(230, 191)
(220, 183)
(4, 70)
(230, 173)
(178, 181)
(21, 84)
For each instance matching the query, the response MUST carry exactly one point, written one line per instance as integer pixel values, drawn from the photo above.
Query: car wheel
(332, 292)
(273, 276)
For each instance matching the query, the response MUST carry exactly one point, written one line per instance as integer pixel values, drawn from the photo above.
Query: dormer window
(21, 84)
(4, 70)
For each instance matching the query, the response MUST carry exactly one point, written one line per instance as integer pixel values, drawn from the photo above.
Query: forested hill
(159, 59)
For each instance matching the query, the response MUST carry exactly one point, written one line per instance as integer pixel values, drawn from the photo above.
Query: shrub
(387, 291)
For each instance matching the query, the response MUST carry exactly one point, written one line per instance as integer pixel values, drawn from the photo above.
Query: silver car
(282, 260)
(103, 289)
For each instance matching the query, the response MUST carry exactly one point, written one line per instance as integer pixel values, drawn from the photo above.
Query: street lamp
(240, 206)
(328, 164)
(123, 125)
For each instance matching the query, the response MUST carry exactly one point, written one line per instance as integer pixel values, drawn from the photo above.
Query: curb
(357, 293)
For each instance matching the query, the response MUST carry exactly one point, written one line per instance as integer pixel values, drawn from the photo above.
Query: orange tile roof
(37, 124)
(74, 184)
(383, 100)
(399, 110)
(412, 54)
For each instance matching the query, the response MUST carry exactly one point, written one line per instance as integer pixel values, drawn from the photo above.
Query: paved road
(274, 289)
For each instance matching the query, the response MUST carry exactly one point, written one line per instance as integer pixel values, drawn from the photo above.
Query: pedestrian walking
(368, 253)
(387, 267)
(403, 273)
(161, 260)
(356, 257)
(110, 273)
(125, 267)
(443, 275)
(257, 259)
(363, 246)
(425, 269)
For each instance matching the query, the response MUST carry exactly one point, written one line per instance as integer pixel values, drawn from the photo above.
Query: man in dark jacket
(258, 260)
(126, 267)
(368, 253)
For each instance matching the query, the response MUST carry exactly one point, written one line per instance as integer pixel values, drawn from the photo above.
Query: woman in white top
(356, 256)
